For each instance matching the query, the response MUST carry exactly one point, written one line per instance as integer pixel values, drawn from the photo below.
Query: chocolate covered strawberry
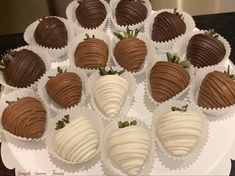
(179, 130)
(167, 26)
(90, 13)
(129, 12)
(51, 32)
(217, 90)
(128, 147)
(205, 49)
(130, 52)
(91, 53)
(22, 68)
(110, 92)
(25, 117)
(168, 78)
(65, 88)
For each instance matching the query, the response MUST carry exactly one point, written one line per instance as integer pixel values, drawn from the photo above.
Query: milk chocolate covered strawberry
(168, 78)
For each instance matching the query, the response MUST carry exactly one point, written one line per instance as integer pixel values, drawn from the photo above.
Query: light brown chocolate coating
(65, 89)
(167, 79)
(130, 53)
(216, 91)
(25, 117)
(91, 53)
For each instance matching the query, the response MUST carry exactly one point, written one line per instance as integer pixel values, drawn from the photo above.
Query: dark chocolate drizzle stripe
(167, 79)
(216, 91)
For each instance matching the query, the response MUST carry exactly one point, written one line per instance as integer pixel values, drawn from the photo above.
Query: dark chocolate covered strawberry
(217, 90)
(167, 26)
(130, 52)
(129, 12)
(65, 88)
(91, 53)
(205, 49)
(90, 13)
(51, 32)
(168, 78)
(22, 68)
(25, 117)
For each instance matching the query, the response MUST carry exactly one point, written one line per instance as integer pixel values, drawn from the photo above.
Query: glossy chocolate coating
(25, 117)
(167, 79)
(51, 32)
(217, 90)
(167, 26)
(90, 13)
(204, 50)
(91, 53)
(129, 12)
(65, 89)
(130, 53)
(23, 68)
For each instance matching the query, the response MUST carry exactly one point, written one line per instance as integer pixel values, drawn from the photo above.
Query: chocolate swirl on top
(167, 26)
(65, 89)
(90, 13)
(167, 80)
(22, 68)
(51, 33)
(91, 53)
(204, 50)
(25, 117)
(130, 53)
(217, 90)
(130, 12)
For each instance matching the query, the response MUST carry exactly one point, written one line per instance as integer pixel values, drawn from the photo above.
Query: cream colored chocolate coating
(129, 148)
(110, 93)
(179, 131)
(77, 141)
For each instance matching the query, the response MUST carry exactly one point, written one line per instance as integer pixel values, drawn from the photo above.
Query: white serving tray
(215, 159)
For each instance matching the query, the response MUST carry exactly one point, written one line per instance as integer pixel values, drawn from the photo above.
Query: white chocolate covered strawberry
(179, 131)
(110, 92)
(129, 147)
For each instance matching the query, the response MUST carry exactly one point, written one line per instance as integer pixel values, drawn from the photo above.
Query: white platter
(32, 157)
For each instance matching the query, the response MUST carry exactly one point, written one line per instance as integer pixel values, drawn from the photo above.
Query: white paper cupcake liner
(181, 45)
(74, 113)
(44, 95)
(55, 53)
(149, 56)
(193, 93)
(74, 43)
(71, 15)
(20, 93)
(113, 5)
(108, 164)
(167, 45)
(44, 56)
(130, 95)
(196, 151)
(147, 86)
